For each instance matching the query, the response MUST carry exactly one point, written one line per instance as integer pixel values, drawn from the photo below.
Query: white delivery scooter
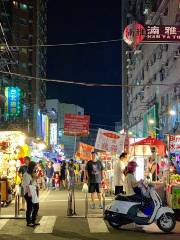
(144, 211)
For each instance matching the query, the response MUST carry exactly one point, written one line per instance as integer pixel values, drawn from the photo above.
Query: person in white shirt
(130, 183)
(119, 173)
(31, 194)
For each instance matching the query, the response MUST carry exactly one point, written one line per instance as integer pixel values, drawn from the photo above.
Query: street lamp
(151, 121)
(172, 112)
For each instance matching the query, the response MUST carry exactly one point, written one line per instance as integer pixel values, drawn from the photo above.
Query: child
(57, 181)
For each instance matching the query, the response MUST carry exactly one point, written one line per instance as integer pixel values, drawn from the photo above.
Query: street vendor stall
(11, 148)
(149, 154)
(173, 186)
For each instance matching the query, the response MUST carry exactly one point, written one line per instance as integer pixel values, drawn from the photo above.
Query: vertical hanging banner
(53, 134)
(13, 101)
(110, 141)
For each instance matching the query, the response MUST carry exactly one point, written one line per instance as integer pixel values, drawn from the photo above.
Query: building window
(162, 74)
(23, 6)
(23, 65)
(24, 50)
(15, 3)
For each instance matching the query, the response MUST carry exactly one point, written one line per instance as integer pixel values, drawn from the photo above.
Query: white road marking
(44, 196)
(77, 199)
(3, 223)
(46, 224)
(97, 225)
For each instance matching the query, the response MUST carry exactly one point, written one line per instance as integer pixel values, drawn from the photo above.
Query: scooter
(145, 210)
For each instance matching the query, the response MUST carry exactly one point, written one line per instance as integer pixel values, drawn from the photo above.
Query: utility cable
(67, 44)
(89, 84)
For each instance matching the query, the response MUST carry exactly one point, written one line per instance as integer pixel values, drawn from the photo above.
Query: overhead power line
(87, 84)
(67, 44)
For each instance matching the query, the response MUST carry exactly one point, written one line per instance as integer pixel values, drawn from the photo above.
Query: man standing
(94, 176)
(119, 168)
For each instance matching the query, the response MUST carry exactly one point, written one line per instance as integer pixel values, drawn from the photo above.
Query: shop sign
(45, 128)
(76, 125)
(84, 151)
(13, 101)
(109, 141)
(174, 144)
(53, 133)
(136, 33)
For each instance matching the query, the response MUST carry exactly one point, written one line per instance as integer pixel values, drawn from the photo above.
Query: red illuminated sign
(136, 33)
(76, 124)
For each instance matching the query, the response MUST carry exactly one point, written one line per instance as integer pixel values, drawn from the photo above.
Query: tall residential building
(154, 103)
(24, 23)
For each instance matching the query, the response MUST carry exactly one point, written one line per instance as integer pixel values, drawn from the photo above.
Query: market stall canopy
(152, 142)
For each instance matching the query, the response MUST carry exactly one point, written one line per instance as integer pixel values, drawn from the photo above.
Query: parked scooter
(146, 210)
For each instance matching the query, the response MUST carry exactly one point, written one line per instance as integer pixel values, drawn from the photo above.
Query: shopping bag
(85, 188)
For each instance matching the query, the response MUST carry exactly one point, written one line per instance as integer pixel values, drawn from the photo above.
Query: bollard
(74, 201)
(69, 208)
(104, 202)
(86, 205)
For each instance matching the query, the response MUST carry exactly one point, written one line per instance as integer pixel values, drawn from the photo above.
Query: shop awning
(152, 142)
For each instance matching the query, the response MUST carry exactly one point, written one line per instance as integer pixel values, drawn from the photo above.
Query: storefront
(173, 188)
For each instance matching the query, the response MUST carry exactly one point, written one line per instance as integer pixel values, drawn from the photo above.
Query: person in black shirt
(94, 175)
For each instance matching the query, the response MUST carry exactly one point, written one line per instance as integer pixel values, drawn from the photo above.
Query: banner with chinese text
(76, 125)
(174, 144)
(12, 104)
(84, 151)
(110, 141)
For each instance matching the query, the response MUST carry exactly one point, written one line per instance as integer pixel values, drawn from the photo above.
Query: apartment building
(153, 71)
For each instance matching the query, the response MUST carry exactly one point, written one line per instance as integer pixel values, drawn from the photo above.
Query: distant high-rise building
(24, 23)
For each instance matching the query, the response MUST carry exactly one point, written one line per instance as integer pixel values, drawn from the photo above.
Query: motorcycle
(145, 209)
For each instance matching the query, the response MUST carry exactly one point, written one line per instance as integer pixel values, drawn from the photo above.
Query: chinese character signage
(53, 133)
(13, 101)
(174, 144)
(110, 141)
(84, 151)
(76, 125)
(136, 33)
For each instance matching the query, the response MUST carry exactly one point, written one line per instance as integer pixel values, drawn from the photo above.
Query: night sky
(82, 21)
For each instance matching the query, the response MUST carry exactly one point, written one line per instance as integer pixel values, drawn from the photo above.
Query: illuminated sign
(12, 104)
(53, 133)
(136, 33)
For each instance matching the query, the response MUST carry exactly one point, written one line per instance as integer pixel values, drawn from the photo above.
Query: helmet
(132, 166)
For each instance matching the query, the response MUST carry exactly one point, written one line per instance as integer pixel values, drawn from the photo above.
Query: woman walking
(31, 194)
(49, 175)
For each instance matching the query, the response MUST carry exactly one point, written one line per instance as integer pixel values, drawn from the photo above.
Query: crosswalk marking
(46, 224)
(44, 196)
(3, 223)
(97, 225)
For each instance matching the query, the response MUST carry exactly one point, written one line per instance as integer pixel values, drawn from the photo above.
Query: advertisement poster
(174, 144)
(110, 141)
(53, 133)
(76, 125)
(84, 151)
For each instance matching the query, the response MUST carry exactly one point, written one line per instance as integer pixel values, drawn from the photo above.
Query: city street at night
(56, 225)
(89, 119)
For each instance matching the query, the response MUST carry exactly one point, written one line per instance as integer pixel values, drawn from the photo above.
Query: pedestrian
(57, 181)
(71, 174)
(31, 194)
(21, 172)
(49, 175)
(130, 182)
(77, 172)
(40, 177)
(63, 174)
(119, 177)
(94, 176)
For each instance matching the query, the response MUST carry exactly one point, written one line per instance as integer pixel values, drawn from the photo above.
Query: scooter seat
(120, 197)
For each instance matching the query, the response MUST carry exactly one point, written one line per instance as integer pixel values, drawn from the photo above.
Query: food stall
(173, 186)
(11, 148)
(149, 154)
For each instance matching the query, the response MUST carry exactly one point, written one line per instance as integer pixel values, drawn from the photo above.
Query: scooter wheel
(114, 224)
(166, 222)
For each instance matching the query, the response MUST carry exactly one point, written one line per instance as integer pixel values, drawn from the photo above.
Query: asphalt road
(56, 225)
